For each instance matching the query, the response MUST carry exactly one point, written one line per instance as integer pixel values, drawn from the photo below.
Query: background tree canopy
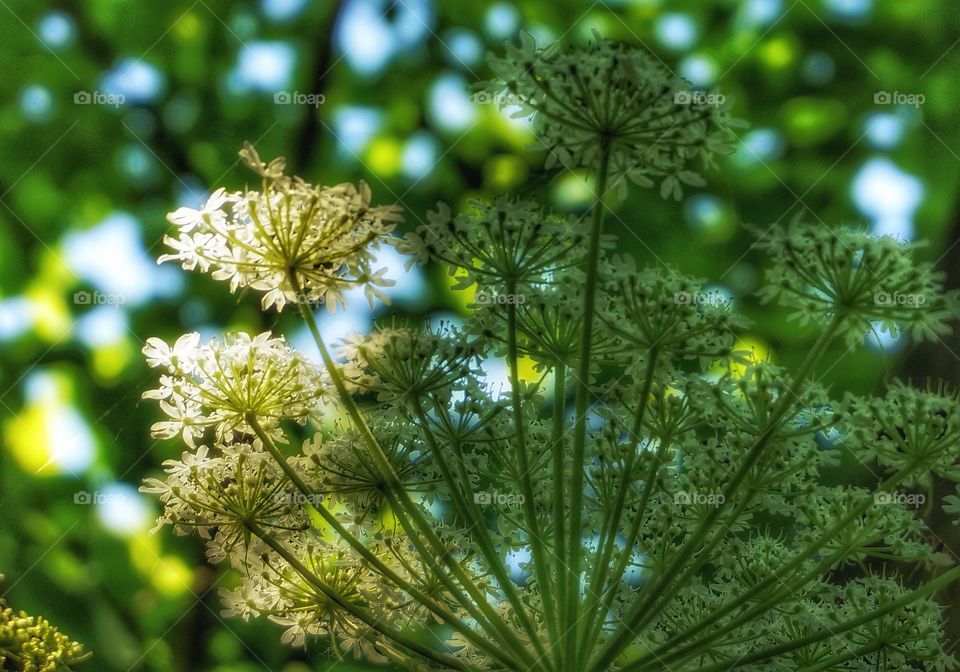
(116, 112)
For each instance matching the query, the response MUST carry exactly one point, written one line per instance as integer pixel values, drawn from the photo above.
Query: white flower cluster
(217, 493)
(292, 240)
(226, 382)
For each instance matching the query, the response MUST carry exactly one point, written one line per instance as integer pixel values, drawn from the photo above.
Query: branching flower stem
(574, 551)
(557, 444)
(608, 536)
(467, 508)
(613, 580)
(660, 655)
(489, 617)
(642, 610)
(534, 534)
(375, 562)
(361, 614)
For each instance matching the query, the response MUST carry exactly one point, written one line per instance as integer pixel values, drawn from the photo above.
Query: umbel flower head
(218, 495)
(31, 644)
(615, 97)
(228, 381)
(661, 310)
(397, 362)
(504, 245)
(912, 429)
(867, 283)
(292, 240)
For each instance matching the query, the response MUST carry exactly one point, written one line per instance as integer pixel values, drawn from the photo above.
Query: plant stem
(660, 656)
(608, 535)
(375, 562)
(642, 609)
(478, 600)
(534, 534)
(478, 527)
(557, 444)
(573, 548)
(357, 612)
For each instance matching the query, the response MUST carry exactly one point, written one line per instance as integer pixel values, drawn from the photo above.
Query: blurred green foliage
(86, 180)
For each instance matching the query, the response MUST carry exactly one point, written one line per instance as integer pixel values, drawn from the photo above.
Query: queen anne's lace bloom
(653, 122)
(292, 240)
(217, 495)
(398, 363)
(872, 281)
(225, 382)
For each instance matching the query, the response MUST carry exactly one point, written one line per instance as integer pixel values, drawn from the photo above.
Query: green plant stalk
(534, 534)
(574, 550)
(609, 587)
(556, 445)
(403, 498)
(608, 535)
(840, 658)
(448, 616)
(641, 607)
(705, 552)
(478, 528)
(361, 614)
(840, 628)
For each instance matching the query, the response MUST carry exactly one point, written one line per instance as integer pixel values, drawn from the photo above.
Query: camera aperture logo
(685, 498)
(300, 498)
(510, 499)
(899, 98)
(899, 299)
(709, 298)
(502, 99)
(699, 98)
(84, 298)
(488, 299)
(99, 98)
(84, 498)
(298, 98)
(916, 500)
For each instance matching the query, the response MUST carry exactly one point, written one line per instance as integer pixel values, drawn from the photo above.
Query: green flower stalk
(648, 498)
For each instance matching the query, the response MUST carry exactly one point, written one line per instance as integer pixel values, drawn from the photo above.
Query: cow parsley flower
(503, 245)
(871, 282)
(401, 363)
(291, 240)
(219, 495)
(613, 98)
(228, 381)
